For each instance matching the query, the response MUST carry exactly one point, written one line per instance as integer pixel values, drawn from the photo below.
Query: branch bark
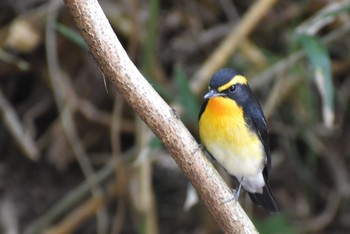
(115, 64)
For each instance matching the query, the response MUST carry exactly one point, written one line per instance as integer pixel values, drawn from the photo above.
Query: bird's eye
(232, 88)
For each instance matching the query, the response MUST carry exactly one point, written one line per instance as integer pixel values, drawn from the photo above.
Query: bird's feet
(237, 192)
(200, 147)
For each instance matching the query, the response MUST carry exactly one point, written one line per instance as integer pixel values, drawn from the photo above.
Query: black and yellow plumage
(233, 130)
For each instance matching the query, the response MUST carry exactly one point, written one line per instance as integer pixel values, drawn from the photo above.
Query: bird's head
(229, 83)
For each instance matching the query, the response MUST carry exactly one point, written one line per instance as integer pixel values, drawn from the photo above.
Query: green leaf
(187, 98)
(149, 47)
(320, 61)
(276, 224)
(163, 92)
(155, 143)
(71, 35)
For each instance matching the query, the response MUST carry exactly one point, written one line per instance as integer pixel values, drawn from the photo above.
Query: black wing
(256, 122)
(266, 199)
(205, 103)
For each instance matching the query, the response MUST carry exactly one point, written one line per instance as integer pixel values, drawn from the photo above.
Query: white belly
(243, 162)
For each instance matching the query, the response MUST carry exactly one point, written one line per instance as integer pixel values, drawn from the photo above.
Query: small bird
(233, 130)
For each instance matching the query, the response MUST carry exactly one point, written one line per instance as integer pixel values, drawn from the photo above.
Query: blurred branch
(280, 90)
(120, 169)
(22, 136)
(254, 54)
(322, 18)
(338, 171)
(143, 194)
(63, 90)
(247, 48)
(265, 77)
(86, 210)
(76, 195)
(237, 35)
(116, 127)
(139, 94)
(318, 223)
(20, 63)
(9, 216)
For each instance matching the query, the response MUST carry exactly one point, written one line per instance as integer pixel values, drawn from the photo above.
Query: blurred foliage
(297, 59)
(187, 99)
(319, 58)
(72, 35)
(149, 51)
(275, 225)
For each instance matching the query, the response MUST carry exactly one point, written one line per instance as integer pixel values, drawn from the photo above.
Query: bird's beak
(212, 93)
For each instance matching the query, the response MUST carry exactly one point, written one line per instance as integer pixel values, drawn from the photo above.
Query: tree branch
(160, 118)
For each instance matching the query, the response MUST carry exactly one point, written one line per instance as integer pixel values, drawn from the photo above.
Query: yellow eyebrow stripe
(238, 79)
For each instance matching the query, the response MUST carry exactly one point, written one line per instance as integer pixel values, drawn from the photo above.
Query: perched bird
(233, 130)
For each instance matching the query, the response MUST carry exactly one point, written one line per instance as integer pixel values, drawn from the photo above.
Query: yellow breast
(225, 135)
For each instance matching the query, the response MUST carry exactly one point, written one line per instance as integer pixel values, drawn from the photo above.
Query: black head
(222, 77)
(229, 83)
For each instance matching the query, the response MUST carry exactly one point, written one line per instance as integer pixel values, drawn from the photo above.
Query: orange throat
(225, 134)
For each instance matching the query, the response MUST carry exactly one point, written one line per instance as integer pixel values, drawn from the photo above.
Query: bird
(233, 130)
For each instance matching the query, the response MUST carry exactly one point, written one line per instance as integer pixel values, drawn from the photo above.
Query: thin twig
(19, 132)
(118, 220)
(21, 64)
(144, 198)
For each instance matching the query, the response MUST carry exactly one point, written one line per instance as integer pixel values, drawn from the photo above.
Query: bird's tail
(265, 199)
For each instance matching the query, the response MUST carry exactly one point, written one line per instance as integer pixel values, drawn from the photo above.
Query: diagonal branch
(160, 118)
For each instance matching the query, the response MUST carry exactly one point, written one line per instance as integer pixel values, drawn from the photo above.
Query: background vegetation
(75, 159)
